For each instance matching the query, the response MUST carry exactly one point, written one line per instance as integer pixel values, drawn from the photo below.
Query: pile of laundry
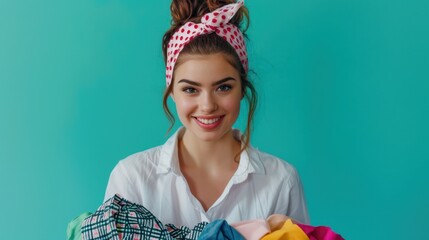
(120, 219)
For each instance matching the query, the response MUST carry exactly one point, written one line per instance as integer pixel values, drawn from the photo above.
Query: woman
(207, 170)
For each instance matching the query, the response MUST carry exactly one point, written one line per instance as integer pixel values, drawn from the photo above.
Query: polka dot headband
(216, 21)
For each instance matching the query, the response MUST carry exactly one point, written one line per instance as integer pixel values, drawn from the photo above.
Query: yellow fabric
(289, 231)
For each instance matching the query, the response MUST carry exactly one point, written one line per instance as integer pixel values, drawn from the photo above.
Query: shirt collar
(249, 161)
(169, 158)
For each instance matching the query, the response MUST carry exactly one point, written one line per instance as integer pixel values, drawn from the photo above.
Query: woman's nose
(208, 103)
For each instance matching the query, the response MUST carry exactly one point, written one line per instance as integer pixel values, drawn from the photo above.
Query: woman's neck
(195, 153)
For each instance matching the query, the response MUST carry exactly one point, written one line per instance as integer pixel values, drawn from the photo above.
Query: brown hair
(183, 11)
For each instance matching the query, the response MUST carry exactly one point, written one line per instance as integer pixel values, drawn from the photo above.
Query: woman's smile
(209, 122)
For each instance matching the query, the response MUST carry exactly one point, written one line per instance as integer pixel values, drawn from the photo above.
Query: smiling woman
(207, 170)
(209, 105)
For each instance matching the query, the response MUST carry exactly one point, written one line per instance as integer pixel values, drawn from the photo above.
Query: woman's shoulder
(151, 158)
(271, 163)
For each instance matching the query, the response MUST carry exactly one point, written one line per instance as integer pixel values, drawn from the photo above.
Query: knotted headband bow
(216, 21)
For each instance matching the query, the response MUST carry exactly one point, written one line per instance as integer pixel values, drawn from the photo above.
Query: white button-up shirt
(262, 185)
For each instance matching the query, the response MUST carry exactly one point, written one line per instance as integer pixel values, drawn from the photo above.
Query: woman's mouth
(209, 122)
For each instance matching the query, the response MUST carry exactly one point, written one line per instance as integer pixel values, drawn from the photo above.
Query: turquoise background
(343, 97)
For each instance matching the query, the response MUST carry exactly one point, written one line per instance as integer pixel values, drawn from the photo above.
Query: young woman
(207, 170)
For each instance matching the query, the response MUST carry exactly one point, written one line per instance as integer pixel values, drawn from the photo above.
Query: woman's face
(207, 93)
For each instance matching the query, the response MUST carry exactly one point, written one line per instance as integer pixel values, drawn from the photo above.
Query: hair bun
(183, 11)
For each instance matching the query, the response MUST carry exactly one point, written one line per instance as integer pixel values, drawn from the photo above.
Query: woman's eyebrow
(199, 84)
(189, 82)
(223, 80)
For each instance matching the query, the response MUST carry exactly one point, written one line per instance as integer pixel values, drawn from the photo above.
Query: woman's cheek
(233, 105)
(185, 106)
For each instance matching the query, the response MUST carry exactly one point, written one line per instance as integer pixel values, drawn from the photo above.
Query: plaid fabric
(119, 219)
(184, 232)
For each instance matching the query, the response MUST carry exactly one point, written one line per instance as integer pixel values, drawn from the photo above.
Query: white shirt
(261, 186)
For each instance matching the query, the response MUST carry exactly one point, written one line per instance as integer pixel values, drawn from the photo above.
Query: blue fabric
(219, 230)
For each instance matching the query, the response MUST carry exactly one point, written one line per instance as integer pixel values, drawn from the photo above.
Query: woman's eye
(189, 90)
(224, 88)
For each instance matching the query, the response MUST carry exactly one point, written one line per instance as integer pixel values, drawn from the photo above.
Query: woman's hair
(183, 11)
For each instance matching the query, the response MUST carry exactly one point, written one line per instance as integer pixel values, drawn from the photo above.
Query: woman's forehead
(205, 67)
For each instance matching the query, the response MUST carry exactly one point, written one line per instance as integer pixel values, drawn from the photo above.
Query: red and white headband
(216, 21)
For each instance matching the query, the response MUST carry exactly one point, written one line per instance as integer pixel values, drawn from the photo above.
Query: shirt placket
(195, 203)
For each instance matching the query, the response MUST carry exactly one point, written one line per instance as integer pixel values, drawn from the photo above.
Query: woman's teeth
(208, 121)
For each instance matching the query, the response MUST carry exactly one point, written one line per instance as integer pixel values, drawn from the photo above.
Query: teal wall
(343, 96)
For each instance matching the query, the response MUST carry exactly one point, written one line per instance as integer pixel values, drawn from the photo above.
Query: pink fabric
(320, 233)
(216, 21)
(253, 229)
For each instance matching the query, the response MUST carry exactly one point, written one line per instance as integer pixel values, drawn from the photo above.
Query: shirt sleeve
(120, 183)
(293, 197)
(297, 207)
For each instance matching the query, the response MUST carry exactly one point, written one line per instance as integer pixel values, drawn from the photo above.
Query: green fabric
(74, 227)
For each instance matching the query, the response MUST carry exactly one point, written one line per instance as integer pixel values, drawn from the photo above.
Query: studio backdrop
(343, 96)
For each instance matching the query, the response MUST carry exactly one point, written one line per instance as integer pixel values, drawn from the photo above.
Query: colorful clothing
(220, 230)
(252, 229)
(74, 227)
(320, 233)
(212, 22)
(289, 231)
